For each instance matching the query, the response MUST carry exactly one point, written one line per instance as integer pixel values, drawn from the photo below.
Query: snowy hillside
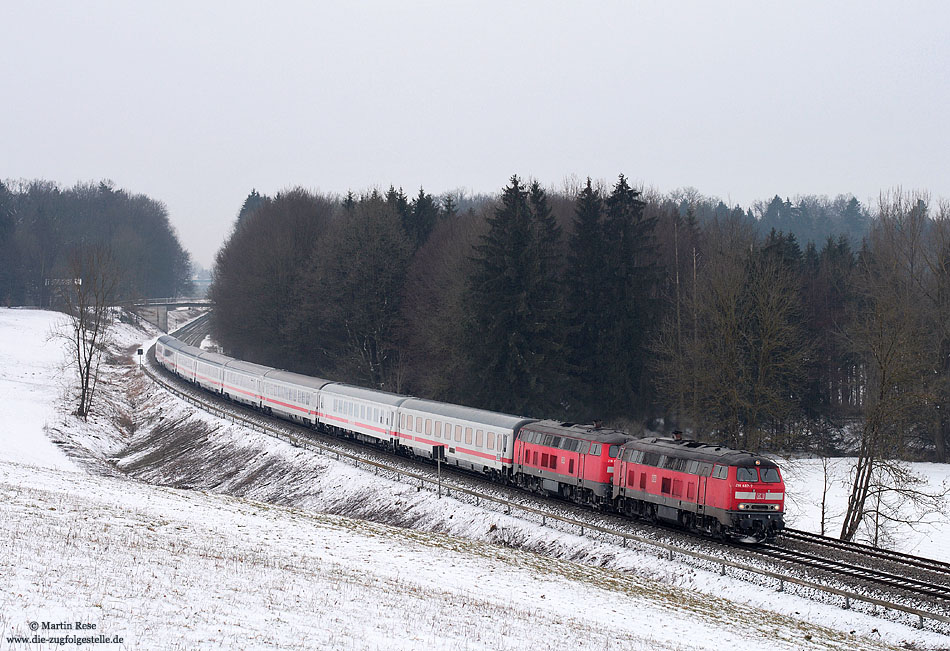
(256, 554)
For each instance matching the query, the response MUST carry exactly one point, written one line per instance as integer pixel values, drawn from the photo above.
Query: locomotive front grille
(758, 507)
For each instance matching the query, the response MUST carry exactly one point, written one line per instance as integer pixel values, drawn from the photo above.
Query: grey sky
(195, 103)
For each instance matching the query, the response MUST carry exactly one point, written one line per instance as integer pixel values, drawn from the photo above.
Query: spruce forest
(806, 324)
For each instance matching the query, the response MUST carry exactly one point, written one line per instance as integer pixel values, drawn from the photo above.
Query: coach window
(362, 412)
(419, 424)
(458, 433)
(438, 429)
(491, 440)
(468, 435)
(595, 449)
(479, 438)
(428, 426)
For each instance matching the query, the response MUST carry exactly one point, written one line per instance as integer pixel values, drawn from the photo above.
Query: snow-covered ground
(32, 385)
(257, 555)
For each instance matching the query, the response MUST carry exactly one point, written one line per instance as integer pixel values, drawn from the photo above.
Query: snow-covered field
(256, 554)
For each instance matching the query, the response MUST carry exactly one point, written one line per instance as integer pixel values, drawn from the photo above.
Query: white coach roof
(491, 418)
(350, 391)
(296, 378)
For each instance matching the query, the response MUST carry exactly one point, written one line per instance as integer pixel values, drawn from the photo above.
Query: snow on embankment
(165, 568)
(32, 386)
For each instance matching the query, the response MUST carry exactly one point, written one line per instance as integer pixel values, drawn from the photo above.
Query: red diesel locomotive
(700, 486)
(703, 487)
(573, 461)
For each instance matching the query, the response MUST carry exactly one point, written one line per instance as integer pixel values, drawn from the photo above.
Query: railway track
(896, 589)
(939, 568)
(195, 331)
(910, 585)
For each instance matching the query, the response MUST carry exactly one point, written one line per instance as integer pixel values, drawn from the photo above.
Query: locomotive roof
(350, 391)
(578, 431)
(688, 449)
(296, 378)
(483, 416)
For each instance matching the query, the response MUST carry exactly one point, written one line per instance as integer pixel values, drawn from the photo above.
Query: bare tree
(87, 299)
(893, 334)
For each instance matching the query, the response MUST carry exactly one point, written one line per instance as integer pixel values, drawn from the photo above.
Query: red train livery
(700, 486)
(703, 487)
(573, 461)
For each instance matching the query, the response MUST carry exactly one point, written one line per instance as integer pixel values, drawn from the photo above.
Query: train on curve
(702, 487)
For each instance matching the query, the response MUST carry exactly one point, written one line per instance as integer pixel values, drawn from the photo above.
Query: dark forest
(43, 227)
(805, 324)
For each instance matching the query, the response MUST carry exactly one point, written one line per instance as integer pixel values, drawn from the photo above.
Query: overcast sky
(196, 103)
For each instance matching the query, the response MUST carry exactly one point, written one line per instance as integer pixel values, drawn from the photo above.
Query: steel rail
(930, 564)
(912, 585)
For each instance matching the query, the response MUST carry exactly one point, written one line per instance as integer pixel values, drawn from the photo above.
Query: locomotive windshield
(770, 475)
(747, 474)
(612, 452)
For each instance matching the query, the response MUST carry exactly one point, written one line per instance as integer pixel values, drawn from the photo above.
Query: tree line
(44, 227)
(647, 310)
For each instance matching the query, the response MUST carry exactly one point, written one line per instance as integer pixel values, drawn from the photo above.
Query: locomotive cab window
(612, 452)
(595, 449)
(747, 474)
(770, 475)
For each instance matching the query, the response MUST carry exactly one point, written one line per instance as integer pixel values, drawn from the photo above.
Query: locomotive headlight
(743, 507)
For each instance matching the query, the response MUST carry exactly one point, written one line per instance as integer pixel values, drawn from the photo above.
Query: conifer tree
(630, 301)
(585, 295)
(512, 336)
(423, 214)
(449, 207)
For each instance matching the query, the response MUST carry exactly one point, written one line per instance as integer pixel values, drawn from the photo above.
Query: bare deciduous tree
(87, 300)
(894, 336)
